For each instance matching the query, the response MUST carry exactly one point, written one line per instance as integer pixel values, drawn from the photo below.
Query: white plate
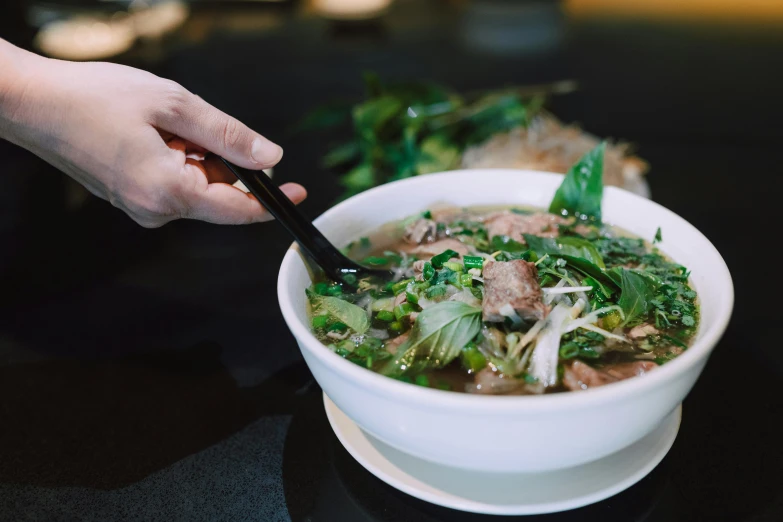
(500, 493)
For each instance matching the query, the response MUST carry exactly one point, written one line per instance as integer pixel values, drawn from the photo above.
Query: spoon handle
(304, 232)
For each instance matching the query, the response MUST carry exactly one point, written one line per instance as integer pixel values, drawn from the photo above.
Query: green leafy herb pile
(404, 130)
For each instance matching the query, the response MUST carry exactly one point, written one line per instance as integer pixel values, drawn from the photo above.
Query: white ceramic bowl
(508, 433)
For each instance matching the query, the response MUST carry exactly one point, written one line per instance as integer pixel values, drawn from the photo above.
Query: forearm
(18, 68)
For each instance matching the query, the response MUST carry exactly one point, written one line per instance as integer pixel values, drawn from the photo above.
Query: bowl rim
(427, 397)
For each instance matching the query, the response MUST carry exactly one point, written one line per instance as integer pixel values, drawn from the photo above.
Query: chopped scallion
(428, 272)
(569, 351)
(457, 267)
(472, 359)
(473, 262)
(385, 315)
(320, 321)
(400, 286)
(334, 290)
(437, 261)
(375, 261)
(403, 310)
(435, 291)
(338, 327)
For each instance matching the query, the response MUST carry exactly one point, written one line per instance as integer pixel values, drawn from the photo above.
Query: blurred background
(687, 90)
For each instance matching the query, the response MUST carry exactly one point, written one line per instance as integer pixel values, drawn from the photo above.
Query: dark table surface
(148, 374)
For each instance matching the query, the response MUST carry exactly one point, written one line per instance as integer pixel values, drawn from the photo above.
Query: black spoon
(329, 258)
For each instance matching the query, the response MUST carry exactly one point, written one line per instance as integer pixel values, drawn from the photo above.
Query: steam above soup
(511, 300)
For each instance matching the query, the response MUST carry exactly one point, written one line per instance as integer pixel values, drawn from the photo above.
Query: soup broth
(507, 301)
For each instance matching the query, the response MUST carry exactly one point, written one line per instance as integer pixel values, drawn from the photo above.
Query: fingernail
(294, 192)
(265, 152)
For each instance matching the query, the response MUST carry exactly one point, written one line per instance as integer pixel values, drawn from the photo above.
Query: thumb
(199, 122)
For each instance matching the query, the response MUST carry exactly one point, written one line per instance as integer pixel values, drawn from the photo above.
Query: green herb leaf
(565, 246)
(437, 338)
(359, 179)
(436, 154)
(582, 189)
(636, 294)
(506, 244)
(342, 154)
(658, 238)
(345, 312)
(437, 261)
(370, 116)
(606, 284)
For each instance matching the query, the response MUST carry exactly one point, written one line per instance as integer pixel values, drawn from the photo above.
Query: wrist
(15, 83)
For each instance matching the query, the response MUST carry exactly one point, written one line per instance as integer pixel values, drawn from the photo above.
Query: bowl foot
(506, 493)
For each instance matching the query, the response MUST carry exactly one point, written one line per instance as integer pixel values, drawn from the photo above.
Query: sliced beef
(393, 344)
(515, 225)
(643, 330)
(421, 231)
(580, 376)
(513, 283)
(540, 224)
(427, 250)
(631, 369)
(418, 269)
(490, 381)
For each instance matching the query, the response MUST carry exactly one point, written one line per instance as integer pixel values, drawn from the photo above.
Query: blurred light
(350, 9)
(728, 10)
(161, 18)
(85, 38)
(103, 36)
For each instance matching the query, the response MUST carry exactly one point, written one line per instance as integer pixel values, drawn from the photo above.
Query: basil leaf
(582, 189)
(565, 246)
(506, 244)
(636, 295)
(350, 314)
(578, 247)
(437, 337)
(606, 284)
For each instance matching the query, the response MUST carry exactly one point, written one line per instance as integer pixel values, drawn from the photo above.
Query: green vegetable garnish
(443, 257)
(437, 337)
(582, 189)
(473, 262)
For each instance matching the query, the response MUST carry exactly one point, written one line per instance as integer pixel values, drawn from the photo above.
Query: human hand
(136, 140)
